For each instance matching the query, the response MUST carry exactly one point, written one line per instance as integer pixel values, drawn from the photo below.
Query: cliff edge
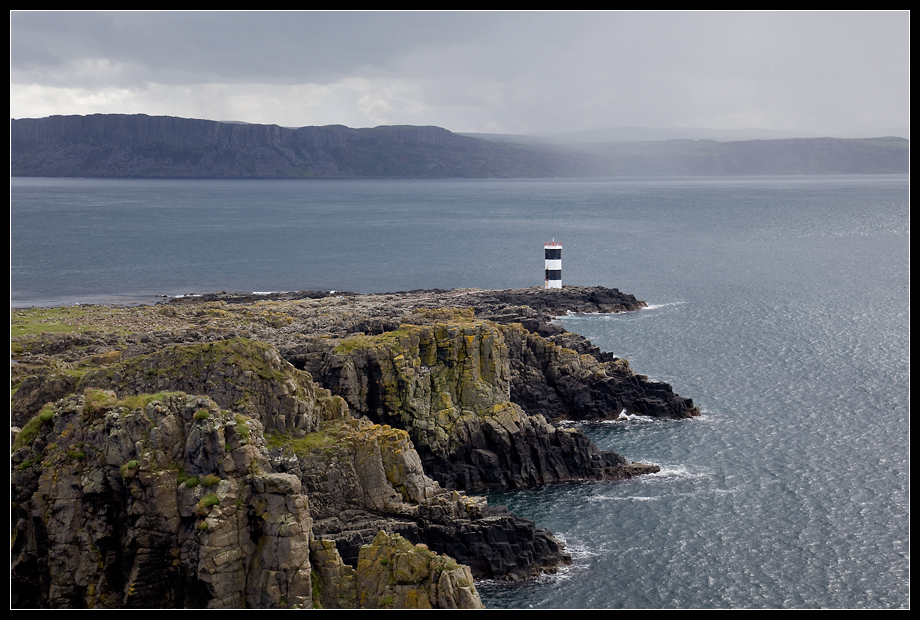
(302, 449)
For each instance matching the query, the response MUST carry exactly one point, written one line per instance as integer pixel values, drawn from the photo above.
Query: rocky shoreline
(303, 449)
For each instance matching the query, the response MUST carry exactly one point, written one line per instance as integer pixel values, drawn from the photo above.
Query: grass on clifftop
(452, 316)
(388, 339)
(52, 320)
(328, 438)
(27, 324)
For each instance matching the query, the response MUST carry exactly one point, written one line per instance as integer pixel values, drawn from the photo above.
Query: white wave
(627, 498)
(623, 417)
(632, 417)
(676, 471)
(662, 305)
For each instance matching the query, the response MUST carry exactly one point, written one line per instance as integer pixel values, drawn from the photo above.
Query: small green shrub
(191, 482)
(202, 414)
(98, 401)
(28, 434)
(205, 503)
(210, 480)
(241, 427)
(140, 400)
(46, 415)
(127, 470)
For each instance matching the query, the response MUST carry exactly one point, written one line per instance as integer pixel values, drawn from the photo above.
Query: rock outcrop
(309, 450)
(126, 504)
(363, 478)
(169, 501)
(449, 385)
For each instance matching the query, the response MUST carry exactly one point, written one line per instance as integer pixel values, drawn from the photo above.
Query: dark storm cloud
(272, 47)
(514, 72)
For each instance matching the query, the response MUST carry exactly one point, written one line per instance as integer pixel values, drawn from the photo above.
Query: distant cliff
(141, 146)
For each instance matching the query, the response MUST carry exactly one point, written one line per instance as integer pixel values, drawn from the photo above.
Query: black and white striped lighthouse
(553, 255)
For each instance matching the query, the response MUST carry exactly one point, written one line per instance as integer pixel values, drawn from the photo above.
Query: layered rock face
(450, 385)
(310, 451)
(173, 503)
(122, 505)
(363, 478)
(559, 382)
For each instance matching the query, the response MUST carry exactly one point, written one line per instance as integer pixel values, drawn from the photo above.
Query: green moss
(210, 480)
(241, 426)
(130, 466)
(330, 435)
(315, 582)
(142, 400)
(182, 476)
(46, 415)
(386, 339)
(202, 414)
(191, 482)
(98, 400)
(447, 314)
(205, 504)
(180, 363)
(28, 434)
(36, 321)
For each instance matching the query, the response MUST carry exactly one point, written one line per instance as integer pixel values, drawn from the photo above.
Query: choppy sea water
(780, 305)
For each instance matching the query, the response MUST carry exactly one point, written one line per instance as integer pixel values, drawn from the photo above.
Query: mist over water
(780, 305)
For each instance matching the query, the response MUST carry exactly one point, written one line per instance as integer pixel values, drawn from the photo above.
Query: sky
(530, 73)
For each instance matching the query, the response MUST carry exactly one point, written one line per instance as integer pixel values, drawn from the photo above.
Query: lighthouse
(553, 256)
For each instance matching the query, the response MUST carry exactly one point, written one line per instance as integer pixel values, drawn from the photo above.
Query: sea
(780, 305)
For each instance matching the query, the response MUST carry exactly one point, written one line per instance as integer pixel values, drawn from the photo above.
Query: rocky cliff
(306, 450)
(141, 146)
(120, 145)
(167, 500)
(449, 385)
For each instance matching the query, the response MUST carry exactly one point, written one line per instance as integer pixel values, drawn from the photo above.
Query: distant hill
(141, 146)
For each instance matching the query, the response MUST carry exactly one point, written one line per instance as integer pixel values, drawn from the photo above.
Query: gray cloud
(266, 47)
(528, 72)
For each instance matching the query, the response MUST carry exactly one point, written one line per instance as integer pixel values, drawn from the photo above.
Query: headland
(307, 449)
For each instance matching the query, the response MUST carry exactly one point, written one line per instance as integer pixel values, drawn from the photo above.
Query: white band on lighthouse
(553, 256)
